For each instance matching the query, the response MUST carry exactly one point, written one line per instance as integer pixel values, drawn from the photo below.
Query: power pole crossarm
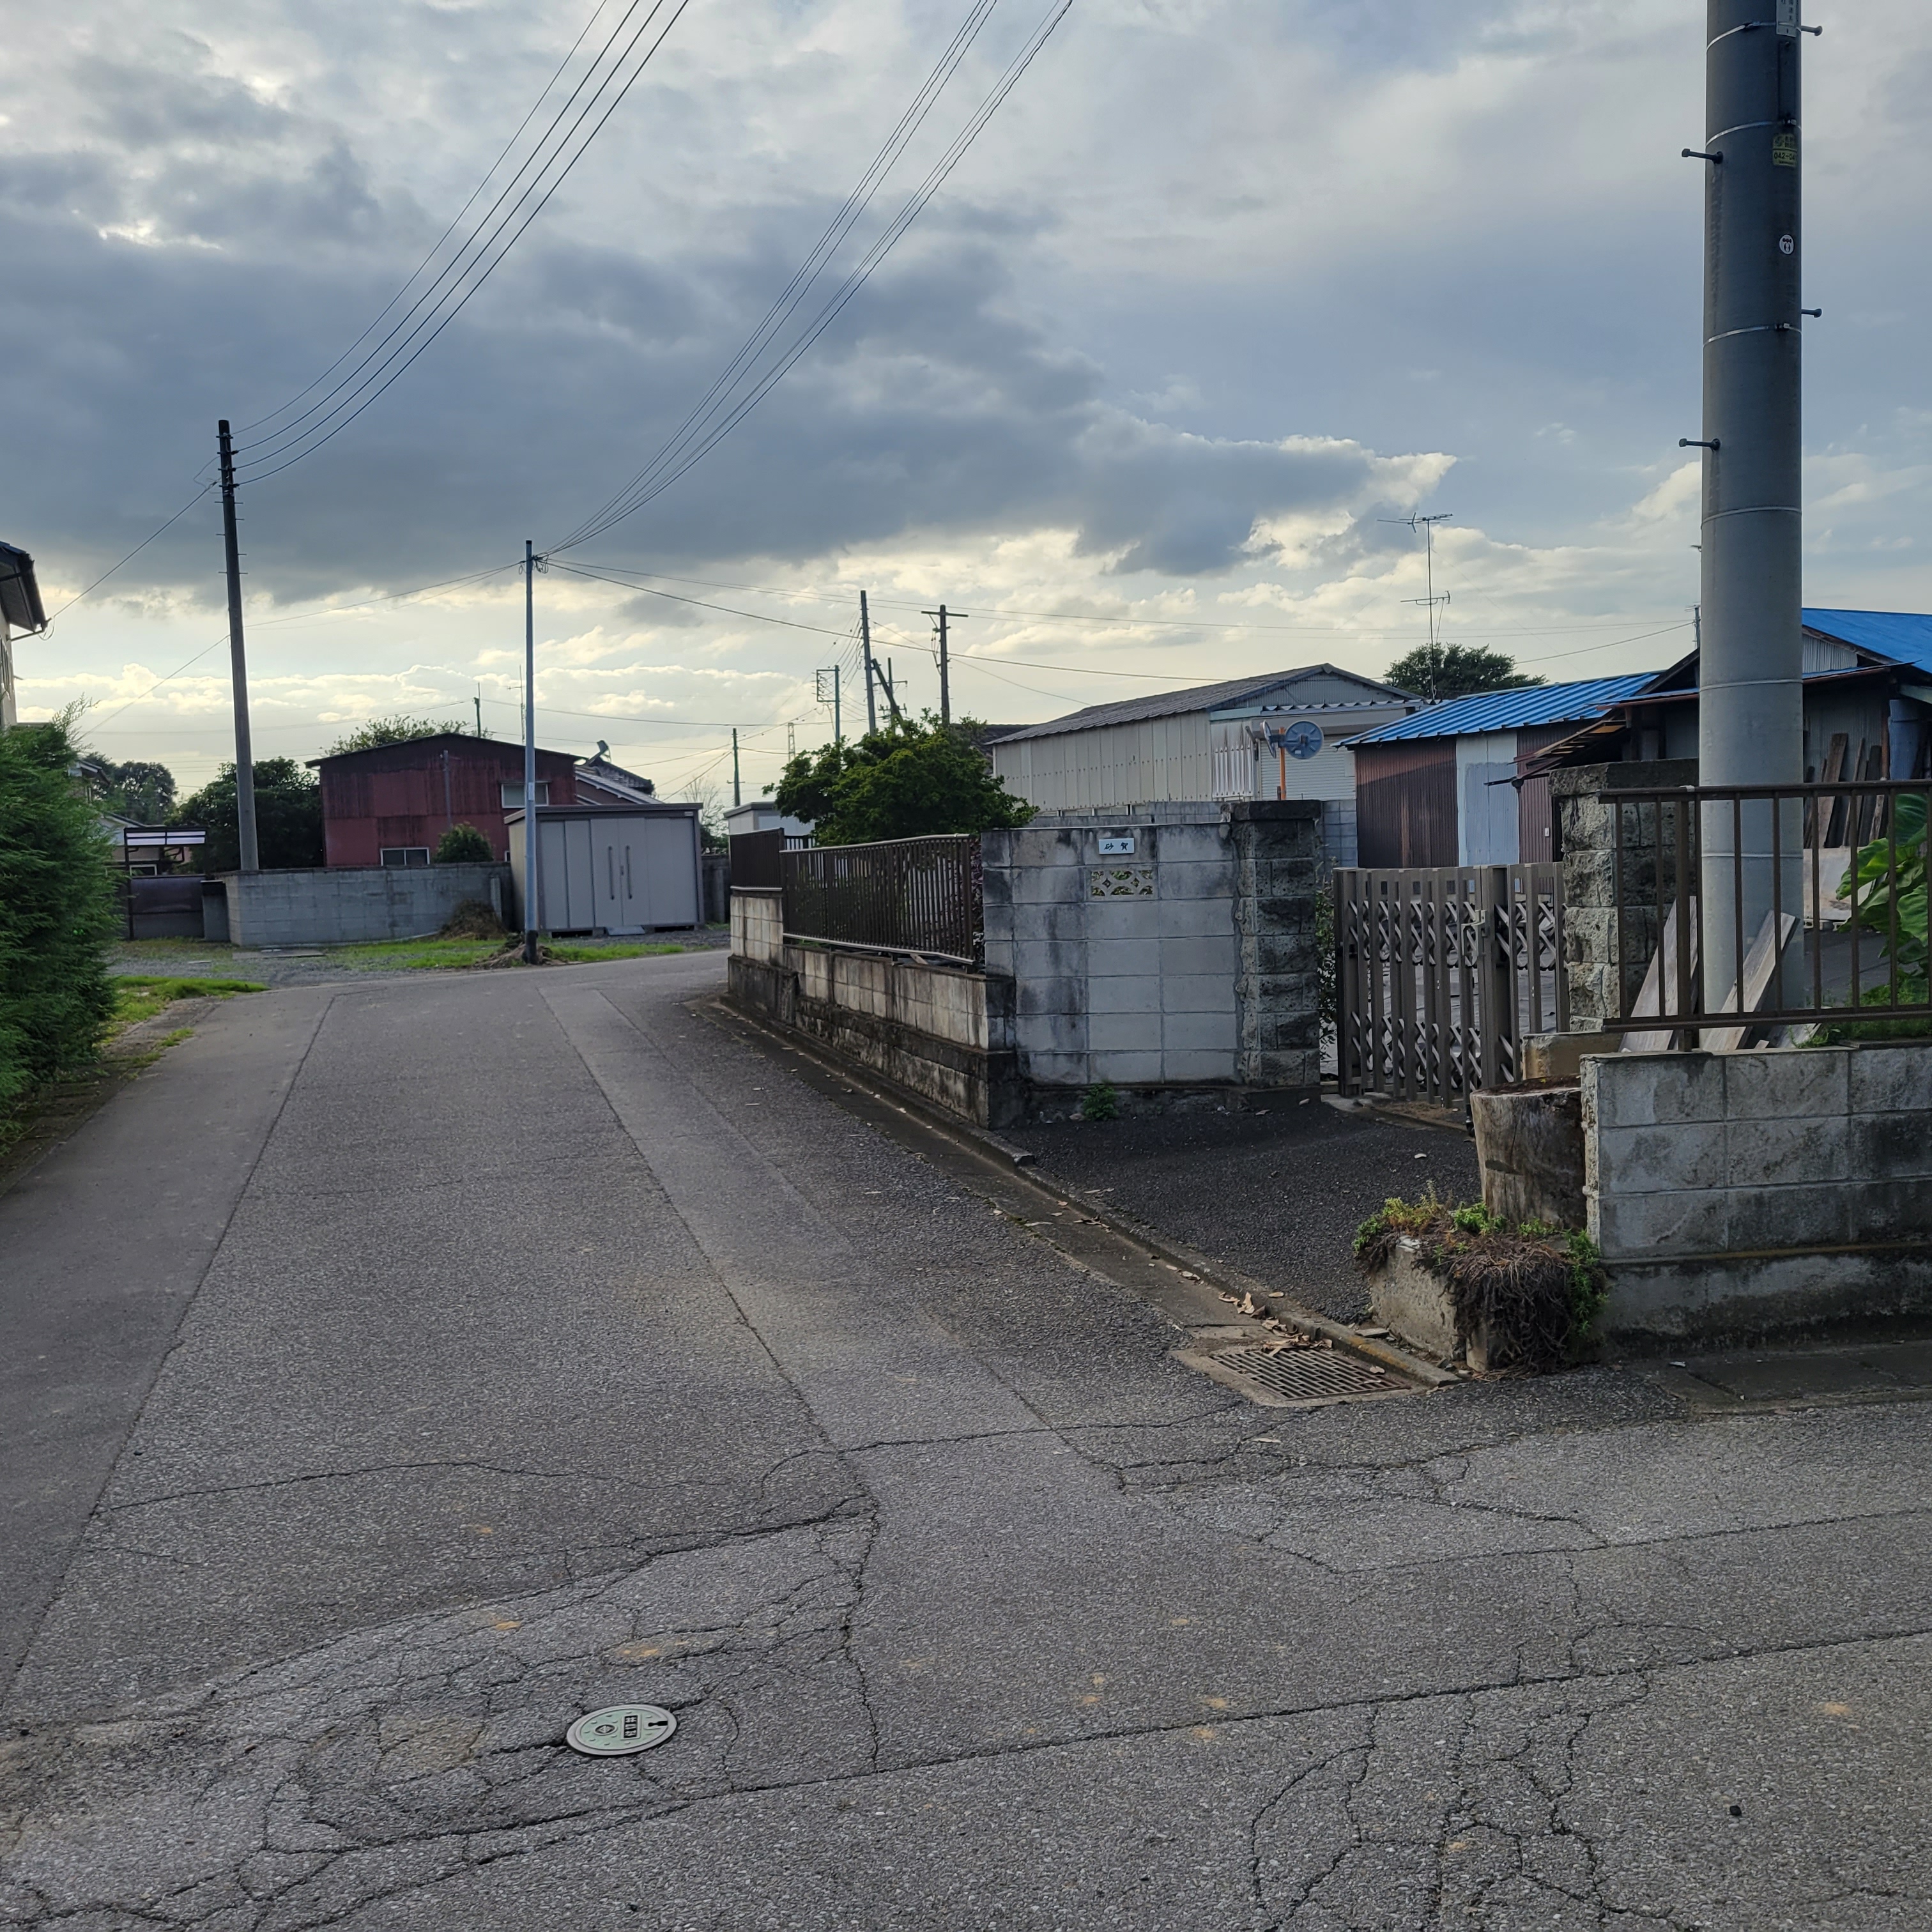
(237, 661)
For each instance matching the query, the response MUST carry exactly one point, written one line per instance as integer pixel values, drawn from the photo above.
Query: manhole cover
(1309, 1375)
(622, 1728)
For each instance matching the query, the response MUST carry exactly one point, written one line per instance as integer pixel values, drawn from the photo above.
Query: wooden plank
(1658, 993)
(1830, 772)
(1760, 973)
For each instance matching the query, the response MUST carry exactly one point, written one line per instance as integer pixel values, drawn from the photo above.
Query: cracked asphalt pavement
(399, 1370)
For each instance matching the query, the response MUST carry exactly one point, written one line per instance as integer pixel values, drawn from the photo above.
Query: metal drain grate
(1309, 1375)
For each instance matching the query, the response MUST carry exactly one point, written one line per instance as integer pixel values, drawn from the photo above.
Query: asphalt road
(400, 1368)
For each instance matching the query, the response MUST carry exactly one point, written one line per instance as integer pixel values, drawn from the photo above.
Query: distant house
(390, 804)
(1439, 788)
(1277, 735)
(20, 612)
(600, 782)
(1467, 782)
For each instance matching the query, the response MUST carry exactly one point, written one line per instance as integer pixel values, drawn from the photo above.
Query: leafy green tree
(908, 781)
(1437, 671)
(57, 909)
(139, 790)
(398, 729)
(288, 818)
(463, 845)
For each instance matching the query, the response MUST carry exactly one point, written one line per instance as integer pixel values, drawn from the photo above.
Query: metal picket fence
(911, 896)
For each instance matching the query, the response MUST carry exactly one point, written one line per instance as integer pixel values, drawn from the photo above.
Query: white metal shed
(612, 868)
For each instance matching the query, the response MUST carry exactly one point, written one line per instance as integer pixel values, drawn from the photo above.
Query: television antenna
(1431, 604)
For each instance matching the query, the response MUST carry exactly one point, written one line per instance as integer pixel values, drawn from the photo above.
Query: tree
(56, 909)
(463, 845)
(908, 781)
(400, 729)
(139, 790)
(1436, 671)
(288, 818)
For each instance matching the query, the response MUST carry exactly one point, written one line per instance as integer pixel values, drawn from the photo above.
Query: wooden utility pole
(237, 661)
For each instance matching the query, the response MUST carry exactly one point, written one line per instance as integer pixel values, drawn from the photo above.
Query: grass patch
(139, 996)
(415, 955)
(617, 949)
(419, 955)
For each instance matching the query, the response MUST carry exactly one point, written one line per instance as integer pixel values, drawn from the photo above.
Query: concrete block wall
(1123, 964)
(1599, 947)
(758, 923)
(341, 905)
(1739, 1194)
(1279, 869)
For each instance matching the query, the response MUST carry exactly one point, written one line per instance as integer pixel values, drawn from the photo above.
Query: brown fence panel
(755, 857)
(1441, 973)
(916, 895)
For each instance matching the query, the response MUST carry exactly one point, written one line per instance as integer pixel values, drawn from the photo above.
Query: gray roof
(1196, 698)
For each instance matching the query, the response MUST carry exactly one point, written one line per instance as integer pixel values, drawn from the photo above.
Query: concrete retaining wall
(353, 904)
(942, 1032)
(1737, 1194)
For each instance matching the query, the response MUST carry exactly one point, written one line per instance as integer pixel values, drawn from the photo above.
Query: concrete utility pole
(737, 794)
(237, 660)
(941, 615)
(1750, 707)
(866, 643)
(530, 888)
(826, 690)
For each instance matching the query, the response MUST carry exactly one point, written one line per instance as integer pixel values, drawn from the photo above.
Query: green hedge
(57, 910)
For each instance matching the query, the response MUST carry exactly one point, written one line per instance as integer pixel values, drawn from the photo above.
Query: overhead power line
(539, 176)
(200, 496)
(721, 414)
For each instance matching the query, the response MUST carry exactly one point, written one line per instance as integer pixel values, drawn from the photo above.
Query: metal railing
(1441, 973)
(910, 895)
(1767, 905)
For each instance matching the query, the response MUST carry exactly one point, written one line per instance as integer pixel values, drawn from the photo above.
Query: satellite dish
(1301, 739)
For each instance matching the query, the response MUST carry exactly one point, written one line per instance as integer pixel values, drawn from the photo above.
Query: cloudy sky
(1221, 295)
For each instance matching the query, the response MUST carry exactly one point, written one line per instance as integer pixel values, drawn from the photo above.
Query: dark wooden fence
(913, 895)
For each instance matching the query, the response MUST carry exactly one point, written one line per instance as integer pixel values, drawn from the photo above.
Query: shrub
(56, 911)
(463, 845)
(1538, 1290)
(1100, 1102)
(472, 919)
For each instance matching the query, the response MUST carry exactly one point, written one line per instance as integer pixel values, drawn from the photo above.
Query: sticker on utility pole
(620, 1730)
(1784, 148)
(1786, 246)
(1787, 18)
(1121, 846)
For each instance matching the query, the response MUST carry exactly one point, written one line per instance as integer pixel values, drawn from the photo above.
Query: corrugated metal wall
(1406, 802)
(1113, 764)
(1535, 810)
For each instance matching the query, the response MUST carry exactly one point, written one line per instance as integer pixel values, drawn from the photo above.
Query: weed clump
(472, 919)
(1535, 1290)
(1101, 1101)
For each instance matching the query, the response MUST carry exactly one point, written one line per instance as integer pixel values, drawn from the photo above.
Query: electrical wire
(339, 413)
(435, 248)
(808, 272)
(655, 479)
(756, 616)
(200, 496)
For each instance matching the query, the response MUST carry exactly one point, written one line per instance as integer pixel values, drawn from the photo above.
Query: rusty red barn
(389, 806)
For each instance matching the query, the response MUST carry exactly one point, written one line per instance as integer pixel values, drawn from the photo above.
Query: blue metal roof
(1903, 635)
(1510, 710)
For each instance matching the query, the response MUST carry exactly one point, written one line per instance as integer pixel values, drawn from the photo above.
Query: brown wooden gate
(1442, 972)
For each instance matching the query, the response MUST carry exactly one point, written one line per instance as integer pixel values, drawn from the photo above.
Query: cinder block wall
(1739, 1194)
(758, 923)
(1122, 963)
(350, 905)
